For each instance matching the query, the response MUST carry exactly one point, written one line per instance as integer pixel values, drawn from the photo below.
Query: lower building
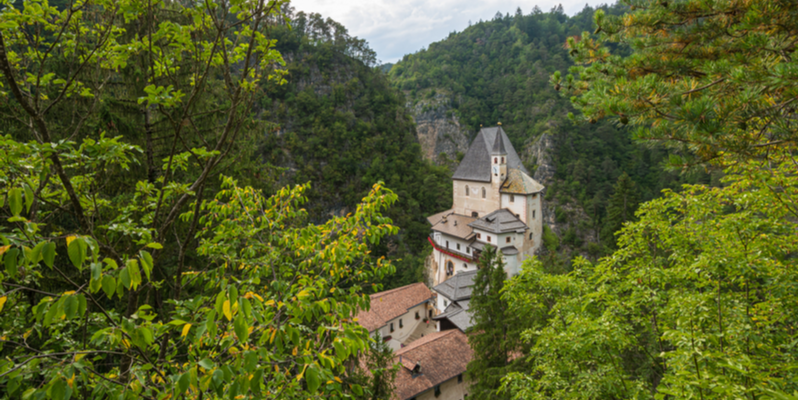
(399, 315)
(433, 367)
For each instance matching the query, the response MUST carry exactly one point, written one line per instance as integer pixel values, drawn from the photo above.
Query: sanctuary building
(495, 203)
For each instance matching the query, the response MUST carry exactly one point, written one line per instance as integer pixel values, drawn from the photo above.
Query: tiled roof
(459, 287)
(519, 182)
(452, 224)
(388, 305)
(442, 356)
(509, 250)
(499, 221)
(476, 164)
(498, 147)
(458, 313)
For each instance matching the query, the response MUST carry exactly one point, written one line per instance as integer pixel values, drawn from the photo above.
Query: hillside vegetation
(499, 71)
(342, 127)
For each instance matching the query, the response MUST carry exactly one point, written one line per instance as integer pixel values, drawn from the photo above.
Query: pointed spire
(499, 146)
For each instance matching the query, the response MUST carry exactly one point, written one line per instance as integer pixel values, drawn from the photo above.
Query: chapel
(495, 203)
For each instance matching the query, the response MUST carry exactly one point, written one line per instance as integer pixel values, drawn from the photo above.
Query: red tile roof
(441, 355)
(388, 305)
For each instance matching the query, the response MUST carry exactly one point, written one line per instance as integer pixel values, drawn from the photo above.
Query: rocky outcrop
(438, 128)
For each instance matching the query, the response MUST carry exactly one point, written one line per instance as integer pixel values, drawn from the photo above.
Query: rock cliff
(438, 128)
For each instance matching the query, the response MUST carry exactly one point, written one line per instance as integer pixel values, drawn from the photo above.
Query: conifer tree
(621, 207)
(495, 336)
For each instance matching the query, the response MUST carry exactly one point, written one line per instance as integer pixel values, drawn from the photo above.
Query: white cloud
(399, 27)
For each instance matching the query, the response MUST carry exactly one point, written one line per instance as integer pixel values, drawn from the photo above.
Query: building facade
(495, 203)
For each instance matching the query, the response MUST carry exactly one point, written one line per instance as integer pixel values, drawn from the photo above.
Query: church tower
(499, 162)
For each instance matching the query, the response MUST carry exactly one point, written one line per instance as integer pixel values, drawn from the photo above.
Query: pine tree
(495, 337)
(383, 371)
(621, 207)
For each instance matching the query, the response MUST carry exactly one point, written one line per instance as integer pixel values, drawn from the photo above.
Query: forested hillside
(499, 71)
(342, 127)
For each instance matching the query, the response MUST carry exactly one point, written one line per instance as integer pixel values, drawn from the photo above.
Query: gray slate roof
(499, 221)
(459, 314)
(498, 147)
(477, 163)
(458, 287)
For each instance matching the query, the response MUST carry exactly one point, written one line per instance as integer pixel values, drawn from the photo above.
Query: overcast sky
(394, 28)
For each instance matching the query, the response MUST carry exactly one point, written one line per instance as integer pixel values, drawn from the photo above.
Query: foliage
(714, 77)
(700, 298)
(378, 370)
(495, 333)
(700, 301)
(129, 271)
(343, 127)
(621, 207)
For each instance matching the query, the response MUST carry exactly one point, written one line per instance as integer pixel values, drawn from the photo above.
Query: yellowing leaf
(70, 238)
(185, 330)
(303, 293)
(226, 309)
(27, 334)
(79, 356)
(3, 249)
(2, 302)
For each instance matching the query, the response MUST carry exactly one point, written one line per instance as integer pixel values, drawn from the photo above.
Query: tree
(494, 336)
(621, 207)
(377, 371)
(699, 301)
(133, 269)
(712, 77)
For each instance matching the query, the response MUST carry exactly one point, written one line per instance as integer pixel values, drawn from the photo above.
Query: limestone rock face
(438, 128)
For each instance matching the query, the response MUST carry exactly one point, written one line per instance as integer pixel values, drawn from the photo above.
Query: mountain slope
(499, 71)
(341, 126)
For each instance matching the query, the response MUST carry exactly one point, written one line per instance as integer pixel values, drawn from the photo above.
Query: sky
(394, 28)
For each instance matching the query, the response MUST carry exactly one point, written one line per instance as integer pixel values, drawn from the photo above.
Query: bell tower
(499, 160)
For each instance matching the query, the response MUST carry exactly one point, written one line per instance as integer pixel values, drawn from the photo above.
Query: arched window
(466, 189)
(465, 265)
(449, 268)
(483, 192)
(495, 160)
(503, 160)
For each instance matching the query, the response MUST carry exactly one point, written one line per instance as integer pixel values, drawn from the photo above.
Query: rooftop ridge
(425, 340)
(397, 289)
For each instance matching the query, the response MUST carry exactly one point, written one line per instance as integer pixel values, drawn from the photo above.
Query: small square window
(460, 378)
(479, 236)
(458, 246)
(488, 238)
(508, 239)
(511, 198)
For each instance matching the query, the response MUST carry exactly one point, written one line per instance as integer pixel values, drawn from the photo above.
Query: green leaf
(183, 383)
(147, 263)
(81, 304)
(240, 327)
(341, 352)
(97, 271)
(312, 378)
(15, 201)
(255, 382)
(36, 253)
(133, 272)
(109, 285)
(51, 313)
(155, 245)
(49, 254)
(125, 278)
(28, 198)
(206, 363)
(77, 252)
(10, 260)
(71, 306)
(58, 389)
(357, 389)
